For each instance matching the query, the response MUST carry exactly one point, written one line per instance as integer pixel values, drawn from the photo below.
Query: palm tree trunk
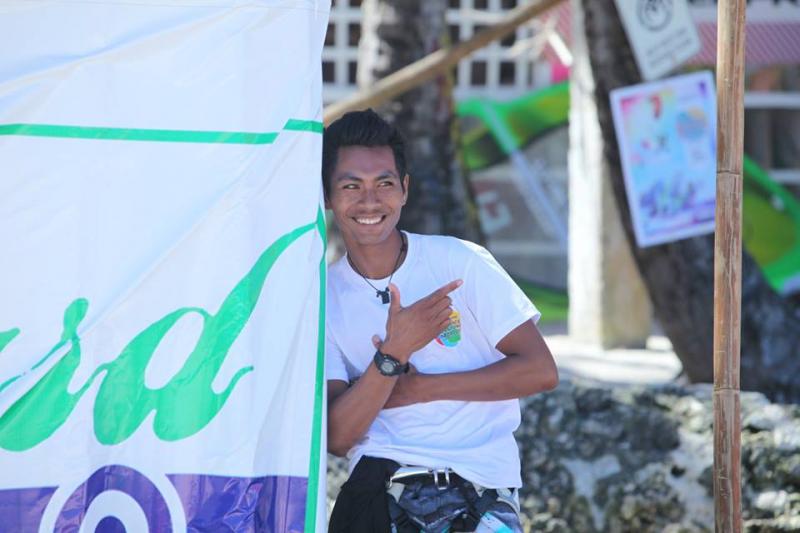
(394, 34)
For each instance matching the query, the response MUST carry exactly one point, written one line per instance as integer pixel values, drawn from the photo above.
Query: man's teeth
(370, 220)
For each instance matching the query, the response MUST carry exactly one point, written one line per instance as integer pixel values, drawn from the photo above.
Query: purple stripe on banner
(219, 504)
(22, 509)
(273, 504)
(119, 478)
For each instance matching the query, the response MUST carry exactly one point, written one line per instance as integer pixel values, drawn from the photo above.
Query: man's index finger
(444, 290)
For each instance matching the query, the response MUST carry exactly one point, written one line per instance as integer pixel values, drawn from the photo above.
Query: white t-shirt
(475, 439)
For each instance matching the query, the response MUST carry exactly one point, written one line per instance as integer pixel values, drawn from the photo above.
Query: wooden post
(727, 265)
(434, 64)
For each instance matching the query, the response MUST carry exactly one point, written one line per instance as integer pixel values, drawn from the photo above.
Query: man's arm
(351, 410)
(528, 368)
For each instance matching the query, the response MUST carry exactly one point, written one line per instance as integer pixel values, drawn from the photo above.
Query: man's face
(366, 194)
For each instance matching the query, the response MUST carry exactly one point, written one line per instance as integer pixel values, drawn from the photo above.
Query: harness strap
(478, 500)
(401, 523)
(477, 505)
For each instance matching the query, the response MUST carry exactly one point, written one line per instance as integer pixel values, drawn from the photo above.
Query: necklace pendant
(383, 295)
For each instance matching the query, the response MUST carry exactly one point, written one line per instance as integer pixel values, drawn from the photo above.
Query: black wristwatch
(388, 365)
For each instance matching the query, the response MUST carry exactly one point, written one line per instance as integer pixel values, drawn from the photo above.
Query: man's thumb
(376, 341)
(394, 302)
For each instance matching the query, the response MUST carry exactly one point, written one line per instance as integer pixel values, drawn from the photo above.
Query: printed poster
(666, 131)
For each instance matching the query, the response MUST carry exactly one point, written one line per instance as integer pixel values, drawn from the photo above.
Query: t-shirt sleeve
(497, 303)
(335, 367)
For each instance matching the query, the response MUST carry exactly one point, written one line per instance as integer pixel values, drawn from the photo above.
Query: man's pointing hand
(410, 328)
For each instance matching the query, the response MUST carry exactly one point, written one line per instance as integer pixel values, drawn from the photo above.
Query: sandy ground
(656, 363)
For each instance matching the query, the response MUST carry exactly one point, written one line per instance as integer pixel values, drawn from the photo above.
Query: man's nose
(369, 196)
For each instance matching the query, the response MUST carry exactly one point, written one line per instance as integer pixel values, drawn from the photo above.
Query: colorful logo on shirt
(452, 334)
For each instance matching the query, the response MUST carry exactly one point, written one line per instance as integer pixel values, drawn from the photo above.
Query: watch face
(387, 367)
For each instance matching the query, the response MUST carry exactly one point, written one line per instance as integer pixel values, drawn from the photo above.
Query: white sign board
(661, 32)
(163, 277)
(666, 131)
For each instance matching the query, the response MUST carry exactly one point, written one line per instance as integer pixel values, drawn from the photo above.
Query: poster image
(666, 132)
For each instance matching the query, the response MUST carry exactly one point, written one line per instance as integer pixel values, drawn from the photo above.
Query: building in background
(502, 70)
(772, 86)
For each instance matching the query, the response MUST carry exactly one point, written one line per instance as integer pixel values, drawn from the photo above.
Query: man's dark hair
(360, 128)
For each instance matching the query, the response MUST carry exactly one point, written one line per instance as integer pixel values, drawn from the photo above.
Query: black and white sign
(661, 33)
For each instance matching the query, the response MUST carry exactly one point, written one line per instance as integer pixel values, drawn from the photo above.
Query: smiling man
(429, 345)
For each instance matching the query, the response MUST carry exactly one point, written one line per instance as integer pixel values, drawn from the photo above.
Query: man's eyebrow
(383, 175)
(353, 177)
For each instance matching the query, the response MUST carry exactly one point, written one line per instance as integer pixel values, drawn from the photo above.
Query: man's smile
(371, 220)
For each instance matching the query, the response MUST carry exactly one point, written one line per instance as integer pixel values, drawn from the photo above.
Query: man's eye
(387, 184)
(350, 186)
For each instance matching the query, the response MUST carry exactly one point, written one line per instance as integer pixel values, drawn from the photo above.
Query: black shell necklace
(383, 294)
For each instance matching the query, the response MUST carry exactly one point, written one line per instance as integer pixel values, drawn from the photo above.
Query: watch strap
(389, 365)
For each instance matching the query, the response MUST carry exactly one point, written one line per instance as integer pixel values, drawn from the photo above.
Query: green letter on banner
(183, 406)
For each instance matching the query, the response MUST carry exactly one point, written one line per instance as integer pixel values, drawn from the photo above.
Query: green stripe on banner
(303, 125)
(156, 135)
(137, 134)
(314, 466)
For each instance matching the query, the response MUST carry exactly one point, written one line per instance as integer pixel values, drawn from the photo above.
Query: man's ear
(405, 188)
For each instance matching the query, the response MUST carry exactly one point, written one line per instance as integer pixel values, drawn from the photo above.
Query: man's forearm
(528, 368)
(351, 413)
(510, 378)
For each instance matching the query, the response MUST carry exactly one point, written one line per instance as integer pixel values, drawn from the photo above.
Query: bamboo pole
(434, 64)
(727, 265)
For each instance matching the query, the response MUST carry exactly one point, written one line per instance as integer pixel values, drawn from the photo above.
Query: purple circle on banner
(122, 479)
(110, 524)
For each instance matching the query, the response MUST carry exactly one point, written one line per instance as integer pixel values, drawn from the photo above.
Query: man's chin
(370, 240)
(366, 238)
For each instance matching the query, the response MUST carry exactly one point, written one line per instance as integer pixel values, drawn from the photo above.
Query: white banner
(162, 283)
